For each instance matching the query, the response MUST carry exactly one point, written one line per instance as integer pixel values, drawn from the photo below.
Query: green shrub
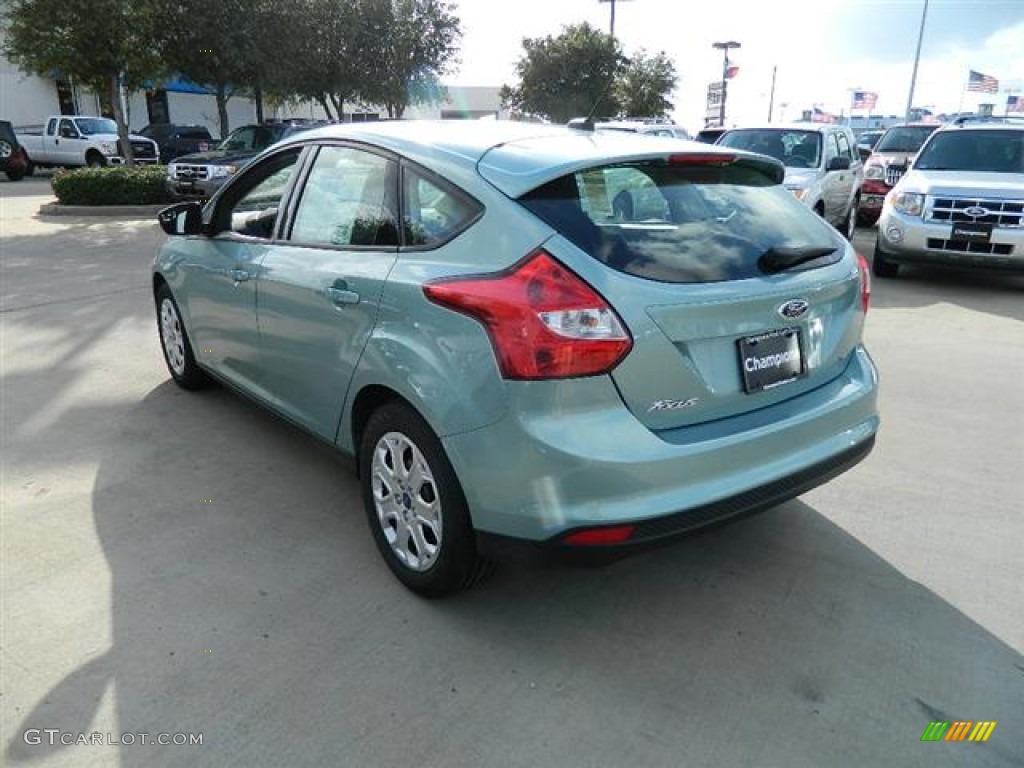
(113, 185)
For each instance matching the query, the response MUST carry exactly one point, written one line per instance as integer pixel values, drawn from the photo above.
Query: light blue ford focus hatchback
(529, 337)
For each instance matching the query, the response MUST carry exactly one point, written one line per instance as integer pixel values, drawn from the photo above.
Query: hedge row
(113, 185)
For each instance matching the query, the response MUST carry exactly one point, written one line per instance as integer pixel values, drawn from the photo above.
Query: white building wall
(25, 99)
(29, 100)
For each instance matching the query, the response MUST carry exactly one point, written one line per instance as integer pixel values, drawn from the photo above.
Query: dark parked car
(866, 142)
(709, 135)
(177, 140)
(199, 175)
(13, 160)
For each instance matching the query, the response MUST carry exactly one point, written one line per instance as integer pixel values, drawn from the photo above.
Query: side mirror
(838, 164)
(182, 219)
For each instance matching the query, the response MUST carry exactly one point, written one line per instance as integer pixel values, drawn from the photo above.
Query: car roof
(515, 157)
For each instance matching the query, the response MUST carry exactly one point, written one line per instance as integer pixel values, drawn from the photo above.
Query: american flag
(1015, 104)
(731, 70)
(983, 83)
(864, 100)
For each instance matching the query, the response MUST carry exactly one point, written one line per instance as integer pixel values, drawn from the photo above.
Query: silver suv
(961, 203)
(823, 169)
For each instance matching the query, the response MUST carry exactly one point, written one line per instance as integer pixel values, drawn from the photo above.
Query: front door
(320, 290)
(220, 278)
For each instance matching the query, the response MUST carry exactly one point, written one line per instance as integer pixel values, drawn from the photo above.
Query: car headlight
(798, 192)
(909, 203)
(108, 147)
(220, 171)
(874, 172)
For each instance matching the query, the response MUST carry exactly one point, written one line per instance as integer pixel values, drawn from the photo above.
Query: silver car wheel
(172, 336)
(406, 501)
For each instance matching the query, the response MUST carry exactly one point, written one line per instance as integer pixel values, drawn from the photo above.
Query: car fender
(443, 366)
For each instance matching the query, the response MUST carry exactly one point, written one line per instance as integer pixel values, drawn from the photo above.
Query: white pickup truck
(72, 141)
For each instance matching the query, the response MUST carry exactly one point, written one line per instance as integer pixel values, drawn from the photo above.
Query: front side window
(432, 213)
(250, 205)
(845, 150)
(67, 129)
(996, 151)
(794, 148)
(90, 125)
(348, 200)
(680, 223)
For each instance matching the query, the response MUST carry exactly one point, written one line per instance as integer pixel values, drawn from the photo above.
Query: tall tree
(644, 84)
(105, 44)
(231, 46)
(568, 75)
(409, 45)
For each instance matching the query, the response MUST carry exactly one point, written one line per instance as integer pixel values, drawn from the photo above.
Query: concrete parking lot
(179, 563)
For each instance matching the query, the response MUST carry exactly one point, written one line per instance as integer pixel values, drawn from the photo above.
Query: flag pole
(963, 90)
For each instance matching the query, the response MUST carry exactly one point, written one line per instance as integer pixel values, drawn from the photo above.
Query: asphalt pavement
(188, 565)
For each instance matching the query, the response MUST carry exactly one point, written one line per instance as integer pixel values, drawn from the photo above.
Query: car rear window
(997, 151)
(794, 148)
(680, 223)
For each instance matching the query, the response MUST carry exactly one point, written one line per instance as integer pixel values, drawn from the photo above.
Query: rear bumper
(654, 532)
(562, 460)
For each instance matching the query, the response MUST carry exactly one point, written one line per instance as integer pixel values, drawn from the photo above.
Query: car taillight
(865, 283)
(544, 321)
(596, 537)
(702, 158)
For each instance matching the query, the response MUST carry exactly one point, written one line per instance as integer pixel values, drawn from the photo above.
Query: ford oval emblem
(976, 211)
(793, 308)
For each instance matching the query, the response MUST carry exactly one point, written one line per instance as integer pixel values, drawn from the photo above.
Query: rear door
(319, 288)
(718, 332)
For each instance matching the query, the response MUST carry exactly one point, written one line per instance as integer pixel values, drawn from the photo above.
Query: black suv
(13, 158)
(199, 175)
(177, 140)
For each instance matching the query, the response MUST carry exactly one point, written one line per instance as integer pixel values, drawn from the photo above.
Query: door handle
(339, 293)
(239, 275)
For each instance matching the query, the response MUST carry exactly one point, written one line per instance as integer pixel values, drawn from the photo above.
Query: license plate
(771, 359)
(971, 232)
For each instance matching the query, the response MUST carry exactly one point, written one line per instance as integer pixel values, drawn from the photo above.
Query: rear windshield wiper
(781, 258)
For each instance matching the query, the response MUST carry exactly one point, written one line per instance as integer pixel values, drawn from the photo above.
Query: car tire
(850, 227)
(404, 471)
(15, 175)
(881, 266)
(30, 168)
(176, 345)
(95, 160)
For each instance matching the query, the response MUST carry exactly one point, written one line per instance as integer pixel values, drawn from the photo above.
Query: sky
(822, 49)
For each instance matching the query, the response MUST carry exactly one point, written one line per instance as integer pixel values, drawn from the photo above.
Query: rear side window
(679, 223)
(432, 213)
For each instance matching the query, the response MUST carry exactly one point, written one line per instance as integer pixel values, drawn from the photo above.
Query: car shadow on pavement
(248, 604)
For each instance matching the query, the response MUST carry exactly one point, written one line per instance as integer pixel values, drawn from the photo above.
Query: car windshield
(681, 223)
(251, 138)
(87, 126)
(997, 151)
(795, 148)
(905, 139)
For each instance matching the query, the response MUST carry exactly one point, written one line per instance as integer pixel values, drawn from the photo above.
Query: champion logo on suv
(976, 211)
(793, 308)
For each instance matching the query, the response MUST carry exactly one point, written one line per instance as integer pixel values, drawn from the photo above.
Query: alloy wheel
(172, 336)
(406, 501)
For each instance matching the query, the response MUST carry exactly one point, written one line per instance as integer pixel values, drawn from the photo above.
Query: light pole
(611, 26)
(724, 48)
(917, 58)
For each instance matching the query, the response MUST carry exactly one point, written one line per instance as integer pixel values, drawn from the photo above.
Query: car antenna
(587, 123)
